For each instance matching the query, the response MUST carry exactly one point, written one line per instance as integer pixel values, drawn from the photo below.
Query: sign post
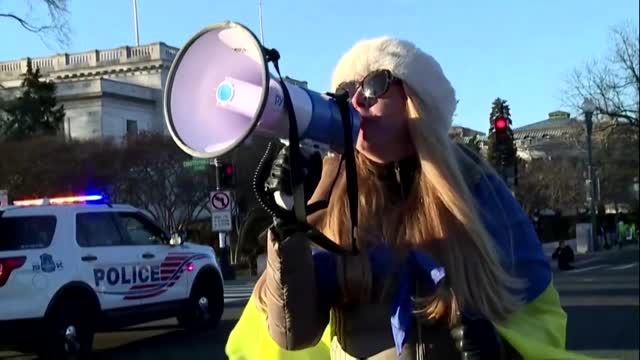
(220, 204)
(4, 198)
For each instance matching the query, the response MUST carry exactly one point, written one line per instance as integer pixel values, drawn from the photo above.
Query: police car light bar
(58, 200)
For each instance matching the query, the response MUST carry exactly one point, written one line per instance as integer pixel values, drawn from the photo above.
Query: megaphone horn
(219, 91)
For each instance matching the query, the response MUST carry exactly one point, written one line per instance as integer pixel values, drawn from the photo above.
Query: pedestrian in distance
(564, 255)
(450, 266)
(622, 232)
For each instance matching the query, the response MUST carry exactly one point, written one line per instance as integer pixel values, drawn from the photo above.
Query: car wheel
(69, 332)
(204, 307)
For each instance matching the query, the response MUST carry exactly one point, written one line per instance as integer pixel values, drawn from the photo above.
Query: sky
(521, 51)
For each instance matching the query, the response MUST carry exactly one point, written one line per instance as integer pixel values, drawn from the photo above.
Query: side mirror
(176, 240)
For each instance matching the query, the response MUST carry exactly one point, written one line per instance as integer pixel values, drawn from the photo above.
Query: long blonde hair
(438, 216)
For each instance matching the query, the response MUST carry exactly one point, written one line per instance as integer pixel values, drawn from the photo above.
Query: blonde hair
(437, 216)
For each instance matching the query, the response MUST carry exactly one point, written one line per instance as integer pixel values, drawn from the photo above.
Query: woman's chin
(370, 152)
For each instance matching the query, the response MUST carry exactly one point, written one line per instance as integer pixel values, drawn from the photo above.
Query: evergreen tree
(35, 112)
(500, 107)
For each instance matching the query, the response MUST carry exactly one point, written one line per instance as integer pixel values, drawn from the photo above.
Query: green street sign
(196, 163)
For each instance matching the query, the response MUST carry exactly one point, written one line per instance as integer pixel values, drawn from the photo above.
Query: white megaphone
(219, 91)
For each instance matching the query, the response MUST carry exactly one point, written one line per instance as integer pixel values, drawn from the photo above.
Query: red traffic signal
(500, 124)
(225, 175)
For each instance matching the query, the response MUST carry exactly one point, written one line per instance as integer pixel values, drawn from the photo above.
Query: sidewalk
(550, 247)
(612, 250)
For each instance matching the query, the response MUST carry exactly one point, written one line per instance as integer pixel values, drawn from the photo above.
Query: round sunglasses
(374, 85)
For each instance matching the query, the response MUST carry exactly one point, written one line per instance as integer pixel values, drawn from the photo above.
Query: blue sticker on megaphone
(224, 93)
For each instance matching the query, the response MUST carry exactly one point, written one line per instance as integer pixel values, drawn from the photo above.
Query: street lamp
(588, 107)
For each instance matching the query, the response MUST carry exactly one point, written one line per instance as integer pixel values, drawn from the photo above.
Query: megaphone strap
(297, 183)
(350, 167)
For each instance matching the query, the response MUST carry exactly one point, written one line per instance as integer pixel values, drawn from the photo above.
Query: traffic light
(502, 133)
(504, 152)
(225, 175)
(501, 125)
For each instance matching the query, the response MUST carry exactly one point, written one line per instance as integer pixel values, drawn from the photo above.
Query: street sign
(221, 200)
(220, 207)
(197, 164)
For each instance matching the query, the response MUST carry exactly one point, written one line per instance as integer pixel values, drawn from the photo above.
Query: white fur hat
(422, 75)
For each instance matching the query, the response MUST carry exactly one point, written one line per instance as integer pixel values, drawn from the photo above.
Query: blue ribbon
(418, 267)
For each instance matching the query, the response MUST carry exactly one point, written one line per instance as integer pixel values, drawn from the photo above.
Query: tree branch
(57, 25)
(613, 82)
(25, 24)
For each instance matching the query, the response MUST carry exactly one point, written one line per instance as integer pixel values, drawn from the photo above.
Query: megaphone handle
(263, 198)
(285, 222)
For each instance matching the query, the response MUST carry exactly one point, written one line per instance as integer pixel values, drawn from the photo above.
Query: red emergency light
(58, 200)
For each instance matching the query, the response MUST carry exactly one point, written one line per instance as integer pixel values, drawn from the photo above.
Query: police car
(70, 267)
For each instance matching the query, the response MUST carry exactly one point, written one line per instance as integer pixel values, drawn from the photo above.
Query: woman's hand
(477, 339)
(279, 179)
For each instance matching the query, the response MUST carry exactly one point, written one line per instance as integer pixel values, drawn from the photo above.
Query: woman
(420, 196)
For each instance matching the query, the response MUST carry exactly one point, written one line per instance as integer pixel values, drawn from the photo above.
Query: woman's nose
(359, 101)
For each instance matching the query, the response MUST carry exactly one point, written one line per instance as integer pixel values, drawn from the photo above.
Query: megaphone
(219, 91)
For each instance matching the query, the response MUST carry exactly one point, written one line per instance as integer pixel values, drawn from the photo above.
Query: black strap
(352, 176)
(297, 180)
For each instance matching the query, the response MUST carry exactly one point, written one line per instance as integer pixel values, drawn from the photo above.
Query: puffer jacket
(299, 308)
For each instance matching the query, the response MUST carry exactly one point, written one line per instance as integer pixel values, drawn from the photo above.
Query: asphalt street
(600, 297)
(164, 339)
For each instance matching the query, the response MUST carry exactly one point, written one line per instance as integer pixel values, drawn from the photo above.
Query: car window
(140, 230)
(26, 232)
(97, 229)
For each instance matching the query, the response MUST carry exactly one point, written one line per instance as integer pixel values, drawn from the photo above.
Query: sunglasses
(374, 85)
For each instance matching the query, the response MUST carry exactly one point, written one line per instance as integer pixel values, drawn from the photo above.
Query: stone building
(549, 138)
(106, 93)
(555, 136)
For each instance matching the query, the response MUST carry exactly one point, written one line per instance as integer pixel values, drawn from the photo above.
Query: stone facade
(106, 93)
(464, 132)
(554, 136)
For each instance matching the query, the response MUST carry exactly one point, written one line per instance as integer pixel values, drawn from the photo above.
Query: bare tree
(55, 25)
(556, 184)
(152, 177)
(613, 82)
(617, 161)
(559, 181)
(52, 166)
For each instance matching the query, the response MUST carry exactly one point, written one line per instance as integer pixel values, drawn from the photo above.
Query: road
(600, 297)
(164, 339)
